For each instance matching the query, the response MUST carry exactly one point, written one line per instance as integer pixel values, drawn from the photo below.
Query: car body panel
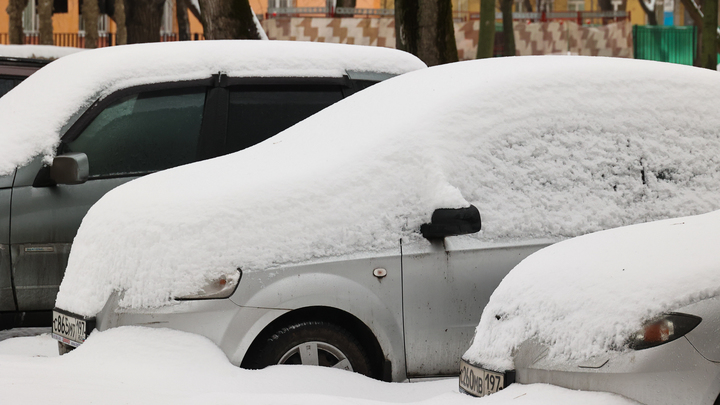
(673, 373)
(445, 288)
(704, 337)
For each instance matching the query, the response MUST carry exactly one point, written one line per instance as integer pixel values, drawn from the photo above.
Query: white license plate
(479, 382)
(70, 329)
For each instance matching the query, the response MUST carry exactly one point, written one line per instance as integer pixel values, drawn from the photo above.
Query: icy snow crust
(34, 113)
(543, 146)
(586, 295)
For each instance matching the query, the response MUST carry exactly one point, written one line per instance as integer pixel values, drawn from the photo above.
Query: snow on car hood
(37, 51)
(35, 112)
(583, 296)
(542, 146)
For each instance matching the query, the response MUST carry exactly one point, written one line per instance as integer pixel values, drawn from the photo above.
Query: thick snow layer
(133, 365)
(545, 147)
(37, 51)
(585, 295)
(34, 113)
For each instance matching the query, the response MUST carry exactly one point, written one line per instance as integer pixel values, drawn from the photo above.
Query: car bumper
(229, 326)
(674, 373)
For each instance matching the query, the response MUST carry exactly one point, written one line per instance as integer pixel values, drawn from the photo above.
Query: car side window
(257, 112)
(142, 133)
(7, 84)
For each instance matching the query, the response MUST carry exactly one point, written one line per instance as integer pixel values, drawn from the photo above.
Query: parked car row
(371, 235)
(15, 70)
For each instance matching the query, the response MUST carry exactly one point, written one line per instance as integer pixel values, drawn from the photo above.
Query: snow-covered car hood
(586, 296)
(35, 112)
(542, 146)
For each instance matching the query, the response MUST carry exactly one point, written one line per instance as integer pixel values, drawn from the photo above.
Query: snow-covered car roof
(37, 51)
(544, 147)
(35, 112)
(585, 296)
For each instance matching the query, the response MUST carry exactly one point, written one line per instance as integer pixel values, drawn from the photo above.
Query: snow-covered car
(93, 120)
(632, 310)
(351, 239)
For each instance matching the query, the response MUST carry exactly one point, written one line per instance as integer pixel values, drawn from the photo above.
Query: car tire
(314, 343)
(64, 349)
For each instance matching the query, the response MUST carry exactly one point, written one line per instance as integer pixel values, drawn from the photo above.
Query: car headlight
(663, 330)
(221, 287)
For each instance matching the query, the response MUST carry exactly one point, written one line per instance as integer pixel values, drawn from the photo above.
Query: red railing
(77, 40)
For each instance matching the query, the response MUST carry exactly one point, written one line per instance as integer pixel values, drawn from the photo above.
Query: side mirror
(70, 168)
(451, 222)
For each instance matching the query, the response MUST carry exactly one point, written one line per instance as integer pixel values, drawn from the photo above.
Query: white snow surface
(35, 112)
(584, 296)
(135, 365)
(545, 147)
(37, 51)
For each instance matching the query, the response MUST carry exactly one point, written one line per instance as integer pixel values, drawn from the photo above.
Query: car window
(258, 112)
(143, 133)
(6, 84)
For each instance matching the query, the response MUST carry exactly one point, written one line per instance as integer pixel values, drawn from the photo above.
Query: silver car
(646, 328)
(371, 235)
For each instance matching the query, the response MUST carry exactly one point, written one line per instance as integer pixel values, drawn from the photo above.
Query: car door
(130, 134)
(446, 285)
(7, 300)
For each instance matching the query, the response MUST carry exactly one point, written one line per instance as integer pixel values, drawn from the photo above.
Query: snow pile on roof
(585, 295)
(34, 113)
(37, 51)
(542, 146)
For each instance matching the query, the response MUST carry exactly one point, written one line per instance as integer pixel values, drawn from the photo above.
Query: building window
(166, 26)
(576, 5)
(30, 18)
(281, 3)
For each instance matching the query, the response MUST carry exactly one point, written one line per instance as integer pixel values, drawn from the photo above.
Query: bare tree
(228, 19)
(425, 28)
(118, 15)
(90, 14)
(15, 10)
(486, 32)
(508, 28)
(45, 11)
(649, 9)
(181, 11)
(709, 44)
(345, 4)
(143, 19)
(698, 17)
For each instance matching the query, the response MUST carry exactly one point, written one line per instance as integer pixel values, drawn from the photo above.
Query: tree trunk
(346, 4)
(119, 17)
(508, 29)
(15, 30)
(143, 19)
(45, 10)
(649, 10)
(228, 19)
(90, 15)
(527, 6)
(425, 29)
(486, 32)
(181, 10)
(709, 46)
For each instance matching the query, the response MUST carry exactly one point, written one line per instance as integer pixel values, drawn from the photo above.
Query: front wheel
(314, 343)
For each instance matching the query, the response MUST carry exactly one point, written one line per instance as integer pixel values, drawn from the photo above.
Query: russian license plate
(71, 329)
(479, 382)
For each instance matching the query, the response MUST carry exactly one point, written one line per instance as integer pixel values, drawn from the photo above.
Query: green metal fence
(674, 44)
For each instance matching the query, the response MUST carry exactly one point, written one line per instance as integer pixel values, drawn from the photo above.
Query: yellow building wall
(4, 18)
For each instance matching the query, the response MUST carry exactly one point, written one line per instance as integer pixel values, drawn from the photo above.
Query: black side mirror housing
(452, 222)
(70, 168)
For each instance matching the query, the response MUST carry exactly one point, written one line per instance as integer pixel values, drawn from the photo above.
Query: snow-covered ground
(135, 365)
